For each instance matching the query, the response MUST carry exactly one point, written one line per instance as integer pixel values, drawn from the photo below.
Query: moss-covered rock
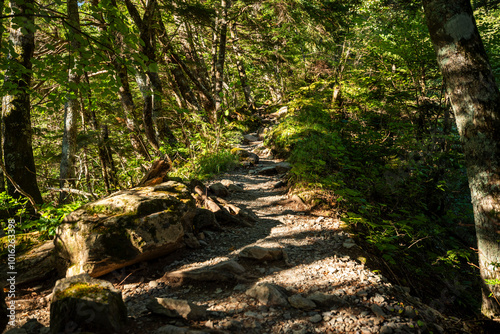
(82, 303)
(124, 228)
(34, 263)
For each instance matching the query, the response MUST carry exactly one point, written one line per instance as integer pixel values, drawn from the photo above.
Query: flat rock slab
(280, 168)
(300, 302)
(224, 271)
(250, 138)
(262, 254)
(283, 167)
(124, 228)
(175, 308)
(324, 299)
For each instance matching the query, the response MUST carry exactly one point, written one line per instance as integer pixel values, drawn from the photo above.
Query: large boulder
(125, 228)
(85, 304)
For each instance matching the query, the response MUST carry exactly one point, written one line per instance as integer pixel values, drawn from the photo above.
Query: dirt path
(326, 288)
(322, 264)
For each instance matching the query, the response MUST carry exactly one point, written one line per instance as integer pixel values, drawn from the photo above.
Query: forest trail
(325, 285)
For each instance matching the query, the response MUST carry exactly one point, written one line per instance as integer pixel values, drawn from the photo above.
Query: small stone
(233, 188)
(439, 328)
(250, 314)
(324, 299)
(230, 324)
(191, 241)
(153, 284)
(283, 167)
(268, 294)
(299, 302)
(261, 253)
(279, 184)
(268, 171)
(316, 318)
(378, 311)
(250, 138)
(410, 312)
(209, 324)
(378, 299)
(240, 287)
(348, 244)
(385, 330)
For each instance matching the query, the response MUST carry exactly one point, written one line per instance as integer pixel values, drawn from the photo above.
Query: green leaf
(153, 67)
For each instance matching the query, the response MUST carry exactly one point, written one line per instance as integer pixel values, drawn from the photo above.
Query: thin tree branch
(18, 188)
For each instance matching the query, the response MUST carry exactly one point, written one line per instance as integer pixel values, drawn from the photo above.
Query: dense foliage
(369, 130)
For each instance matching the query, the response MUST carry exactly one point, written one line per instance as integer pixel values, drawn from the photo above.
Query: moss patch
(84, 290)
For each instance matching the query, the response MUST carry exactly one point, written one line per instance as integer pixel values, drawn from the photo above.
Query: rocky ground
(311, 278)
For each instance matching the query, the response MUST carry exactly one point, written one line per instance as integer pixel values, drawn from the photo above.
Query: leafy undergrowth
(399, 188)
(30, 229)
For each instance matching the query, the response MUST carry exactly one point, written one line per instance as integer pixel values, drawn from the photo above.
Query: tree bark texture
(108, 168)
(69, 145)
(221, 57)
(121, 75)
(475, 100)
(182, 83)
(16, 105)
(208, 100)
(155, 123)
(247, 91)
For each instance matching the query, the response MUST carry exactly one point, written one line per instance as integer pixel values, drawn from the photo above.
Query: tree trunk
(247, 91)
(155, 123)
(128, 106)
(221, 57)
(208, 99)
(193, 56)
(69, 145)
(182, 83)
(121, 75)
(475, 100)
(16, 104)
(106, 157)
(108, 169)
